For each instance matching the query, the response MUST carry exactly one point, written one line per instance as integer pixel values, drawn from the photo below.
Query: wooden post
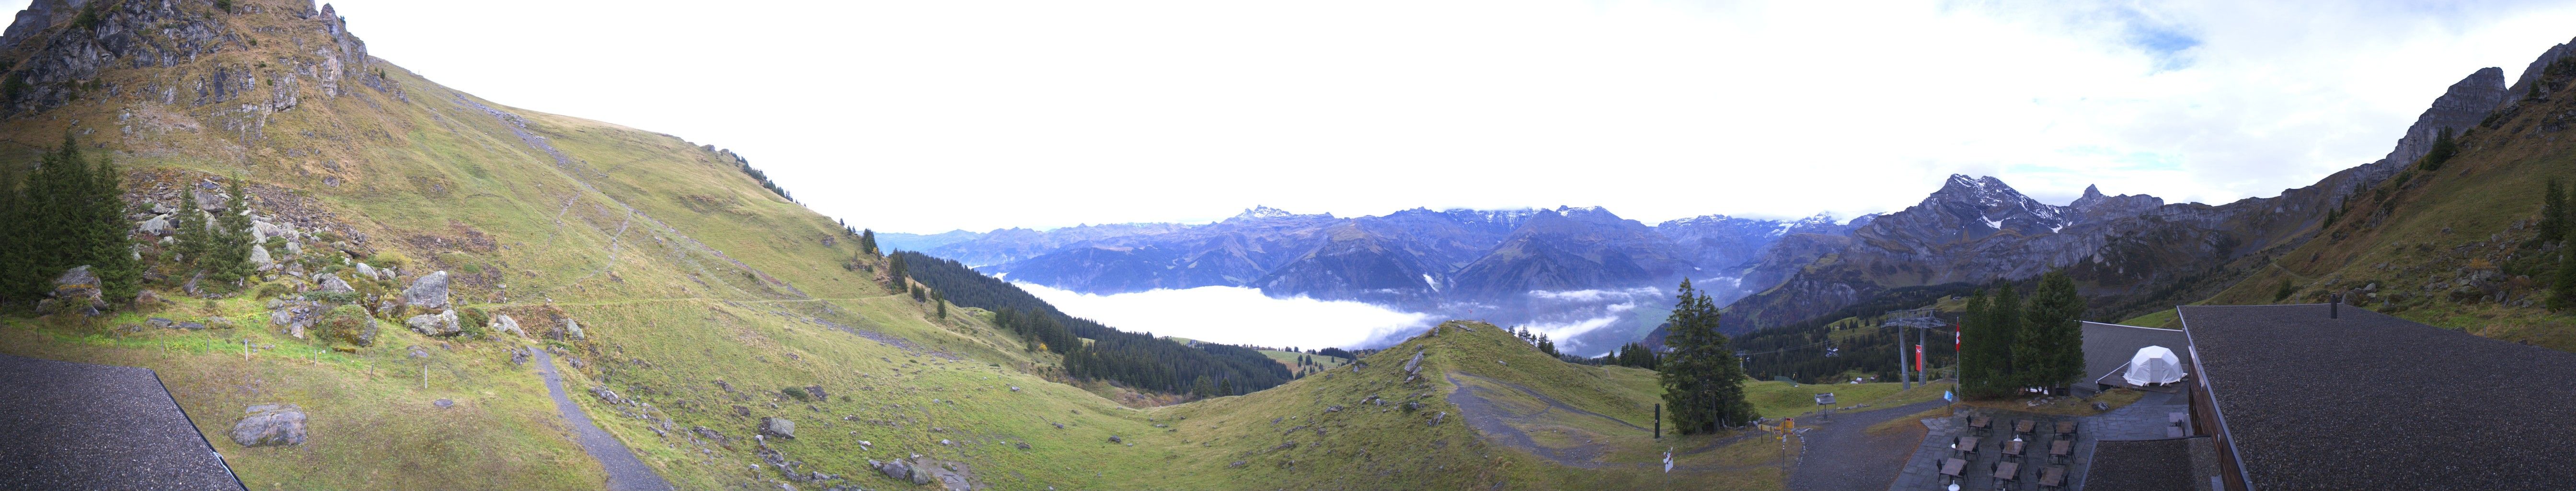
(1659, 421)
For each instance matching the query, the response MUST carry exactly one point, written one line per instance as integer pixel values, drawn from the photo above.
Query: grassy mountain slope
(2455, 247)
(701, 298)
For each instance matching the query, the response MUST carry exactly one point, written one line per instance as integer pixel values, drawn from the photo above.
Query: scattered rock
(333, 284)
(1334, 409)
(77, 290)
(429, 290)
(1024, 445)
(608, 396)
(161, 323)
(779, 427)
(148, 297)
(1115, 439)
(817, 392)
(443, 403)
(368, 272)
(519, 356)
(158, 226)
(1414, 366)
(270, 425)
(503, 323)
(1435, 419)
(260, 259)
(2101, 406)
(1236, 465)
(443, 323)
(193, 326)
(572, 329)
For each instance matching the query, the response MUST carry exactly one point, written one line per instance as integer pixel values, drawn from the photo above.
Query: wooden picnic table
(2052, 476)
(2013, 448)
(1981, 422)
(2024, 426)
(1953, 467)
(2066, 427)
(1967, 445)
(2007, 471)
(2061, 449)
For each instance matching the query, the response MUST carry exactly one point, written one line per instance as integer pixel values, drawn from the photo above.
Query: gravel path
(625, 473)
(1841, 456)
(77, 426)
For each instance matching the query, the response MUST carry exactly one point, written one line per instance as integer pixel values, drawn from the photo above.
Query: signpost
(1826, 400)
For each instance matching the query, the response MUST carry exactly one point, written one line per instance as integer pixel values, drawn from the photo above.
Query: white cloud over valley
(1235, 315)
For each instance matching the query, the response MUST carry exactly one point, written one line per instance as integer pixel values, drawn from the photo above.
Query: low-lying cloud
(1237, 315)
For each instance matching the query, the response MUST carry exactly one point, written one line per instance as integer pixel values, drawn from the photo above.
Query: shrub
(272, 290)
(332, 297)
(346, 323)
(390, 259)
(798, 393)
(473, 317)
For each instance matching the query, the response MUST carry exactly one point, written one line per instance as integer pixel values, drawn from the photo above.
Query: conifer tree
(17, 255)
(868, 241)
(939, 303)
(1703, 386)
(2553, 212)
(2562, 293)
(2051, 347)
(228, 258)
(192, 236)
(109, 247)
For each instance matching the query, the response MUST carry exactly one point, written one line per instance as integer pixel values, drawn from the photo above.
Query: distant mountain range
(2130, 253)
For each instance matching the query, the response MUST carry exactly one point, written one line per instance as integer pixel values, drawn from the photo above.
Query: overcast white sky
(925, 116)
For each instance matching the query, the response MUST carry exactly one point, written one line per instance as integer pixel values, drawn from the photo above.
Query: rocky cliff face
(65, 48)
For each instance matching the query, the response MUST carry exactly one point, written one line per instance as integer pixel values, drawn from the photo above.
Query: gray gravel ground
(625, 473)
(77, 426)
(2369, 401)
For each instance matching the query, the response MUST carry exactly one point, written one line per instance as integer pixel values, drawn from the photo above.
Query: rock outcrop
(443, 323)
(430, 290)
(778, 427)
(270, 425)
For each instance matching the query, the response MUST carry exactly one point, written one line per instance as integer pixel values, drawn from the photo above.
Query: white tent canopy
(2153, 365)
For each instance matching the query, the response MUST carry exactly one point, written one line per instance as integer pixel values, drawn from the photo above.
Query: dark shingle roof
(2142, 465)
(2107, 348)
(73, 426)
(2371, 401)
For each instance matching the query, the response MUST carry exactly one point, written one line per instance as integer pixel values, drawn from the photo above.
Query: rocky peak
(2094, 204)
(2462, 106)
(1261, 212)
(2530, 75)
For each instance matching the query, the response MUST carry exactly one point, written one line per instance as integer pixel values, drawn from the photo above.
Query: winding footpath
(625, 473)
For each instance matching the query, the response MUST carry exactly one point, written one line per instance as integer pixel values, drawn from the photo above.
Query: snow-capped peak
(1258, 212)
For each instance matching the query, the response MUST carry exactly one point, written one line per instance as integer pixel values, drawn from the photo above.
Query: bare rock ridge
(68, 53)
(2531, 74)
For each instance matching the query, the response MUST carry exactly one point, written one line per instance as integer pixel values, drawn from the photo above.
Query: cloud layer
(989, 114)
(1234, 315)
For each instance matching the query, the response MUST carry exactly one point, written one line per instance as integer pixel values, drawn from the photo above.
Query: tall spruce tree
(192, 236)
(110, 247)
(2553, 212)
(1703, 386)
(228, 253)
(868, 241)
(1976, 361)
(17, 254)
(2051, 343)
(2562, 293)
(2005, 320)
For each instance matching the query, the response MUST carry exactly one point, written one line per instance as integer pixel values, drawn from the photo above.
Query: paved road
(625, 473)
(1842, 456)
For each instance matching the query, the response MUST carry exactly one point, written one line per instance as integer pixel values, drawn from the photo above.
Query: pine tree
(1702, 383)
(110, 247)
(2051, 347)
(939, 303)
(2443, 149)
(192, 235)
(1975, 362)
(228, 261)
(17, 261)
(2562, 293)
(868, 241)
(2553, 212)
(2004, 324)
(894, 267)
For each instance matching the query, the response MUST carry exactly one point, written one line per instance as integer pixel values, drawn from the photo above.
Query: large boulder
(158, 226)
(333, 284)
(503, 323)
(270, 424)
(259, 258)
(572, 330)
(77, 290)
(430, 290)
(209, 199)
(778, 427)
(368, 272)
(443, 323)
